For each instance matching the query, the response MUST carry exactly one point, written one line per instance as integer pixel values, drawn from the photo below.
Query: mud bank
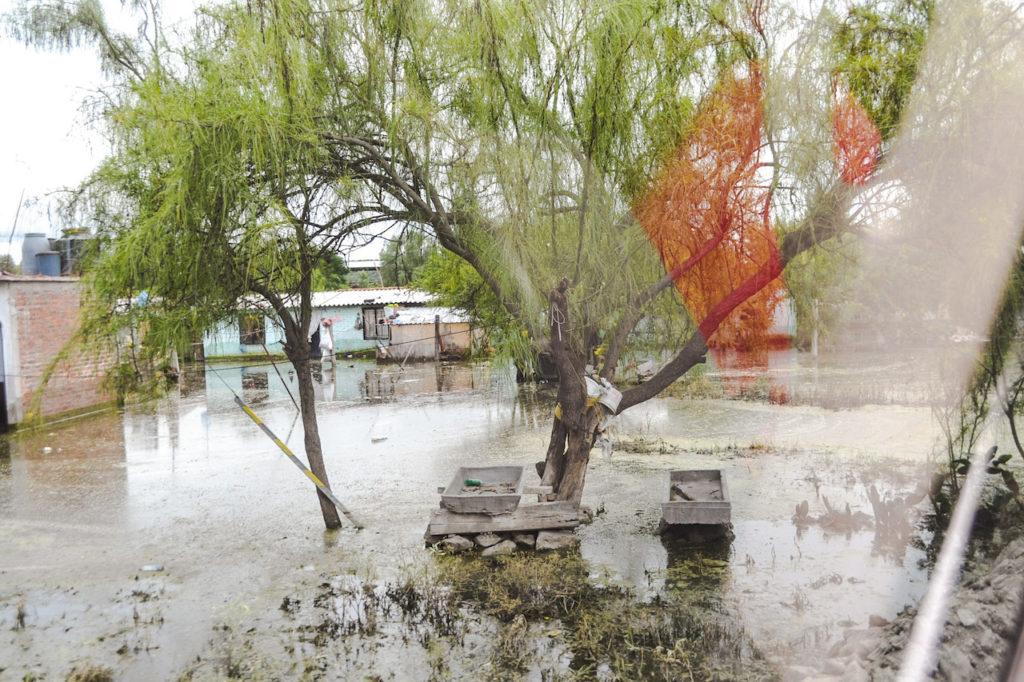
(980, 630)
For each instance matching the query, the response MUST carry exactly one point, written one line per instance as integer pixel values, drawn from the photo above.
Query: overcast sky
(45, 138)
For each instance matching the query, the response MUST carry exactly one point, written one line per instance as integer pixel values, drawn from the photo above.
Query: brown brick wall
(45, 316)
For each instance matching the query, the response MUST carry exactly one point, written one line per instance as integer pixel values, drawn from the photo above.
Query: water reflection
(192, 483)
(833, 380)
(701, 572)
(255, 386)
(387, 383)
(354, 381)
(72, 475)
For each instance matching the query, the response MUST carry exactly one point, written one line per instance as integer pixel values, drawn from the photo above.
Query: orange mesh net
(707, 213)
(856, 141)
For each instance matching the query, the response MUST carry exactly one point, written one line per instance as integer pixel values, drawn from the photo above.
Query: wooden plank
(538, 490)
(526, 517)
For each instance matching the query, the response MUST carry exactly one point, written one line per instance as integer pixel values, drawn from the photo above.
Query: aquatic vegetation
(608, 631)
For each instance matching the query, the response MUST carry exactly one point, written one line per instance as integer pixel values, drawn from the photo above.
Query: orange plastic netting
(708, 210)
(707, 213)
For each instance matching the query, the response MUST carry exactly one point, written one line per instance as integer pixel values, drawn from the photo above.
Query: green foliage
(516, 135)
(878, 48)
(218, 185)
(8, 265)
(456, 284)
(330, 274)
(998, 382)
(819, 283)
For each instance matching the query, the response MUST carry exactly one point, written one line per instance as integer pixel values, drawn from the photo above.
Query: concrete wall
(417, 340)
(343, 320)
(224, 340)
(39, 315)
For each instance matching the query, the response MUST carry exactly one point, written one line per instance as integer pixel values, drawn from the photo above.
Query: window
(251, 331)
(375, 324)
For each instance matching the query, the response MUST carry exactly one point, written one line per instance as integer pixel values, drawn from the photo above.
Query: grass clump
(536, 586)
(90, 673)
(697, 385)
(609, 633)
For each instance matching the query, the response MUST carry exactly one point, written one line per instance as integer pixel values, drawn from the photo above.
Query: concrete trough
(697, 497)
(499, 491)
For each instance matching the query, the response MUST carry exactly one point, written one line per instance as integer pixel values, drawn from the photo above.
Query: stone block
(556, 539)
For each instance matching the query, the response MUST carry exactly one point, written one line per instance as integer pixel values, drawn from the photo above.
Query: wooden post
(437, 338)
(814, 332)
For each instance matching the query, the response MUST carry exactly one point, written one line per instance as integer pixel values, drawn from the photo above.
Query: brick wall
(45, 316)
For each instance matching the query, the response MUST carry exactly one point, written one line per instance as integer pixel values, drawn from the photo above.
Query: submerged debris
(844, 521)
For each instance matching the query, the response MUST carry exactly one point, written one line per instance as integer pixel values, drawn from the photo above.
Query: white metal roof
(426, 315)
(346, 298)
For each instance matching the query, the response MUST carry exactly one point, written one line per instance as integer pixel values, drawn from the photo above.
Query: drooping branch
(400, 182)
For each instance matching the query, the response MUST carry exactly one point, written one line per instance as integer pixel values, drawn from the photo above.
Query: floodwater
(190, 485)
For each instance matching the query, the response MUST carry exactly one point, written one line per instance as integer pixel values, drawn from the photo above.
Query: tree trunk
(311, 434)
(572, 434)
(297, 348)
(554, 461)
(577, 455)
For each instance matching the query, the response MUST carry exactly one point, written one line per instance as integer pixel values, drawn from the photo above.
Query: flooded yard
(173, 540)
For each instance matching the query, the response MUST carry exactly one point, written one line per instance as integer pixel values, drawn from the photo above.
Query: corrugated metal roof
(378, 296)
(426, 315)
(9, 277)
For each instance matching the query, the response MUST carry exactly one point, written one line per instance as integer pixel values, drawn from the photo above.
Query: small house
(427, 333)
(354, 319)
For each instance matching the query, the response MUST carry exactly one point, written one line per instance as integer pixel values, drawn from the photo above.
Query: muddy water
(190, 484)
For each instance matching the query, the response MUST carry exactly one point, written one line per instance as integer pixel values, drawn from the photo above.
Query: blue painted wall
(224, 341)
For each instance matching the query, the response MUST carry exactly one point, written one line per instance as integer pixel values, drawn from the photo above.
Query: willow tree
(605, 171)
(218, 190)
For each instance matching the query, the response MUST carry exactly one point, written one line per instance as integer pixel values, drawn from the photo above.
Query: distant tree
(400, 258)
(8, 265)
(331, 273)
(878, 47)
(456, 284)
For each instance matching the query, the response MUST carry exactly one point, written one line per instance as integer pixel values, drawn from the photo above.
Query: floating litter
(152, 567)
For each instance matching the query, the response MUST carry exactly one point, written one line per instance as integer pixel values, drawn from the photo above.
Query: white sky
(45, 140)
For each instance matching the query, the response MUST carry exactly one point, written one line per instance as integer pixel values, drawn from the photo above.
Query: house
(356, 319)
(428, 332)
(38, 316)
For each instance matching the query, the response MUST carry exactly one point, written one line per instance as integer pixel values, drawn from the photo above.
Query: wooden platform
(546, 516)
